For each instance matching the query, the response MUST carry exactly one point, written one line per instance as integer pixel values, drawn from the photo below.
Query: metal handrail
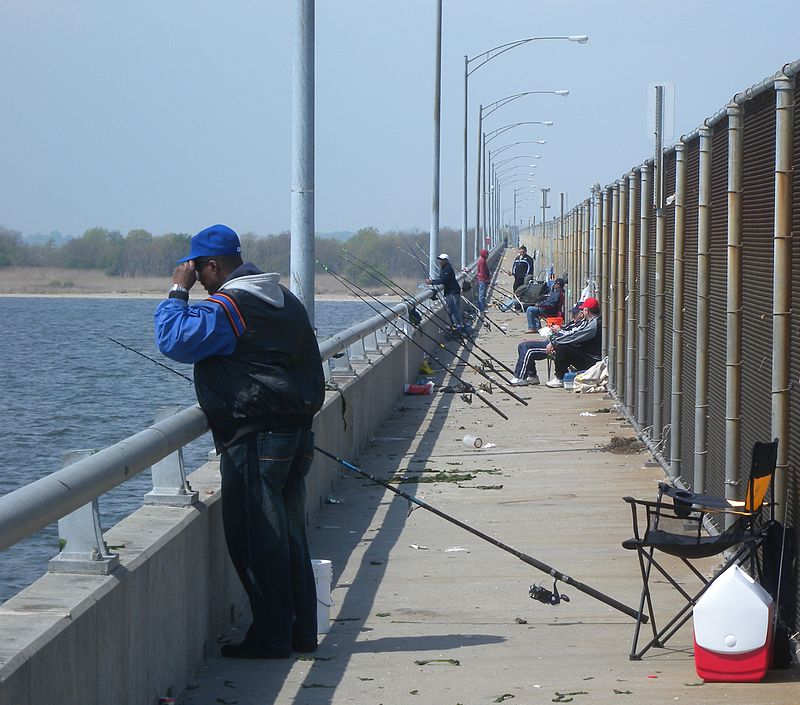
(32, 507)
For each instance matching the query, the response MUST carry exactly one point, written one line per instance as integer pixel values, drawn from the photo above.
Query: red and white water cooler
(733, 629)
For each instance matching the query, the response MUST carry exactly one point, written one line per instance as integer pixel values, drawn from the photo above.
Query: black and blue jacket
(447, 279)
(257, 364)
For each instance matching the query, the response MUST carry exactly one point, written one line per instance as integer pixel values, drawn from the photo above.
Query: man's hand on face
(185, 275)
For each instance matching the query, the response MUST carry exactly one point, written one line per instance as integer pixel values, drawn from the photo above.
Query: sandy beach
(59, 282)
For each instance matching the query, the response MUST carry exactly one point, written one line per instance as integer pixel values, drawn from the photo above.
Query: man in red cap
(581, 347)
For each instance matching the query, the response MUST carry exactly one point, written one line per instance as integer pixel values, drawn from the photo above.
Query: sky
(171, 115)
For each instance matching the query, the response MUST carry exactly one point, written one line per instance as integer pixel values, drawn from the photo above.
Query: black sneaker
(305, 646)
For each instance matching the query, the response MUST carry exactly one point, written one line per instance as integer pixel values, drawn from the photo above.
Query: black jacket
(521, 267)
(273, 380)
(447, 278)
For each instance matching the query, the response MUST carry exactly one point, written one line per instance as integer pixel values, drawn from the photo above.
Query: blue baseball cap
(216, 241)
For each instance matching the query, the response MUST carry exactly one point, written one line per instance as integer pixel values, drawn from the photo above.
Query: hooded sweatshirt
(483, 267)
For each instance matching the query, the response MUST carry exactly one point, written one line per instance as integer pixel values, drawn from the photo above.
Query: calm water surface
(66, 386)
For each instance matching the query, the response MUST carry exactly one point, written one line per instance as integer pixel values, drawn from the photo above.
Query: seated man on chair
(579, 348)
(552, 304)
(529, 351)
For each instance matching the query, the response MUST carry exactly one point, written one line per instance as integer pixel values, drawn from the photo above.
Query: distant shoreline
(61, 283)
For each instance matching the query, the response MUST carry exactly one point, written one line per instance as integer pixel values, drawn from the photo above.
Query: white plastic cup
(472, 441)
(323, 572)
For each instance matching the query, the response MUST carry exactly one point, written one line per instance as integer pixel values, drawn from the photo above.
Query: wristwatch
(179, 292)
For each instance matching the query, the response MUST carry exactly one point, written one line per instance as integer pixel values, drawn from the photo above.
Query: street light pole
(482, 59)
(437, 125)
(301, 248)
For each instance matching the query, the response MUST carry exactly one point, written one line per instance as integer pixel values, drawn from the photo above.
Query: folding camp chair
(676, 524)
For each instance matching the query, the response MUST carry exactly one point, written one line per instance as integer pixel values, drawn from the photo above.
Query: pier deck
(414, 589)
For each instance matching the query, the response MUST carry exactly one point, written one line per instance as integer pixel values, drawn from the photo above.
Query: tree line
(140, 253)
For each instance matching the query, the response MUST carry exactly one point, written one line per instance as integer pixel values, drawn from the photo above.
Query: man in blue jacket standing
(258, 377)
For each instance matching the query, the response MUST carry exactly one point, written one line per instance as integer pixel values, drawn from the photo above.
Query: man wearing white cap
(451, 289)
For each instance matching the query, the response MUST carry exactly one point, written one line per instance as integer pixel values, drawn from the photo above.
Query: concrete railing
(140, 630)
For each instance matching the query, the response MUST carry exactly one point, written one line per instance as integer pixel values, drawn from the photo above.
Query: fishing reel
(414, 318)
(547, 597)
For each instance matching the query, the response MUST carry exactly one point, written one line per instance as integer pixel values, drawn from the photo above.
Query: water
(66, 386)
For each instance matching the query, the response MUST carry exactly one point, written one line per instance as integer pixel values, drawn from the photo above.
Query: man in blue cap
(258, 377)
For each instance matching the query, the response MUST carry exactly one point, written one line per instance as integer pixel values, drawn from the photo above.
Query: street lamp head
(580, 38)
(549, 123)
(561, 93)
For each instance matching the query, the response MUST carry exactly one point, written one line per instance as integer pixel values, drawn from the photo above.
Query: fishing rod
(411, 339)
(395, 285)
(427, 335)
(536, 592)
(155, 362)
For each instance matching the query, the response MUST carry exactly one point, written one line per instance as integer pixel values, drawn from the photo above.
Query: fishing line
(155, 362)
(437, 315)
(536, 592)
(411, 339)
(466, 361)
(444, 347)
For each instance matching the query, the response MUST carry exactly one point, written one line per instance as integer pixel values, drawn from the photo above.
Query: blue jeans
(454, 309)
(482, 287)
(264, 516)
(533, 313)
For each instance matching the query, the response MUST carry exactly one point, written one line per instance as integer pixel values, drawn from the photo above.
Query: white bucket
(323, 572)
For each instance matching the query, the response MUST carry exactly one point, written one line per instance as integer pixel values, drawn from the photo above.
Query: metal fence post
(630, 317)
(733, 361)
(782, 290)
(702, 349)
(644, 294)
(612, 289)
(622, 214)
(678, 298)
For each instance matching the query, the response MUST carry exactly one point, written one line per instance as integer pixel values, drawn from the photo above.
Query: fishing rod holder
(547, 597)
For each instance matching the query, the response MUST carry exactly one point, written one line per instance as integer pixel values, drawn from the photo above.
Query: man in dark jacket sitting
(551, 304)
(581, 347)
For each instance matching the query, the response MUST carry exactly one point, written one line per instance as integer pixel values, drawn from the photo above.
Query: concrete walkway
(426, 612)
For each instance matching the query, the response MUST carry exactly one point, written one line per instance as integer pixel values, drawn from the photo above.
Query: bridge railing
(32, 507)
(42, 502)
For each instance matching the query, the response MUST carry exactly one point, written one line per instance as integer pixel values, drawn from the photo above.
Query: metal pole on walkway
(733, 357)
(301, 278)
(678, 279)
(782, 290)
(437, 126)
(464, 221)
(702, 337)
